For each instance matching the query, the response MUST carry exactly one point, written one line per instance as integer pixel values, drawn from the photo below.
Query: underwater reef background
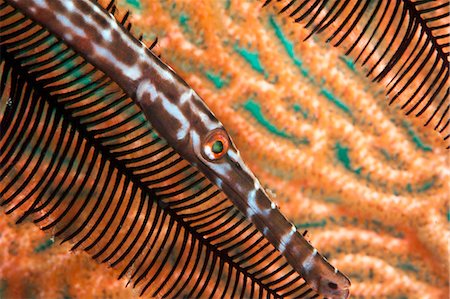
(369, 184)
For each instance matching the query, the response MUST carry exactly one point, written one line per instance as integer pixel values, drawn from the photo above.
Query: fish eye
(332, 285)
(215, 145)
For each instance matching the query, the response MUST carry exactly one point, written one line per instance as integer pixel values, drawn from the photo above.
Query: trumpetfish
(180, 116)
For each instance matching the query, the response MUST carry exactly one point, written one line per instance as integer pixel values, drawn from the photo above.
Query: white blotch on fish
(285, 239)
(133, 72)
(253, 206)
(71, 26)
(177, 114)
(219, 183)
(308, 263)
(146, 87)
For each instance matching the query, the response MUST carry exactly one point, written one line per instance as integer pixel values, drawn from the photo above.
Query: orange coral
(369, 184)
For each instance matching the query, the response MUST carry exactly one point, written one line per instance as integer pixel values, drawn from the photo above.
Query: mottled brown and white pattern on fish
(180, 116)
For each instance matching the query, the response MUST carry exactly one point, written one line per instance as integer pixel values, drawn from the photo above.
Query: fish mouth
(330, 290)
(341, 294)
(345, 293)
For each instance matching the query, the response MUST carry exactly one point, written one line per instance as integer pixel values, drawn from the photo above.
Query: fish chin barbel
(179, 115)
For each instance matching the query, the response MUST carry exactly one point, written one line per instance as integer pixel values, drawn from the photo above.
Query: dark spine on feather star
(182, 118)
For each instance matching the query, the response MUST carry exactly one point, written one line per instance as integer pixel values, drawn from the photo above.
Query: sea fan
(384, 182)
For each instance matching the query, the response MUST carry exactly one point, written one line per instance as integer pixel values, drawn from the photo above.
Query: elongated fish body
(179, 115)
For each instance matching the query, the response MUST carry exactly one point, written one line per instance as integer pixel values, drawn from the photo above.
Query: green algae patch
(416, 139)
(341, 105)
(44, 245)
(255, 109)
(288, 46)
(252, 58)
(216, 79)
(342, 154)
(135, 3)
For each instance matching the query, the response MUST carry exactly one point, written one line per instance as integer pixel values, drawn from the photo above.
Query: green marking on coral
(356, 277)
(409, 188)
(312, 224)
(426, 186)
(300, 141)
(298, 108)
(341, 105)
(216, 79)
(135, 3)
(283, 174)
(44, 246)
(184, 19)
(332, 200)
(416, 139)
(386, 154)
(408, 267)
(350, 64)
(342, 154)
(30, 290)
(251, 57)
(288, 46)
(3, 286)
(448, 214)
(227, 4)
(255, 109)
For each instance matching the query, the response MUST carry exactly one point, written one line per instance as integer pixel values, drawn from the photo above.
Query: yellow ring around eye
(215, 145)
